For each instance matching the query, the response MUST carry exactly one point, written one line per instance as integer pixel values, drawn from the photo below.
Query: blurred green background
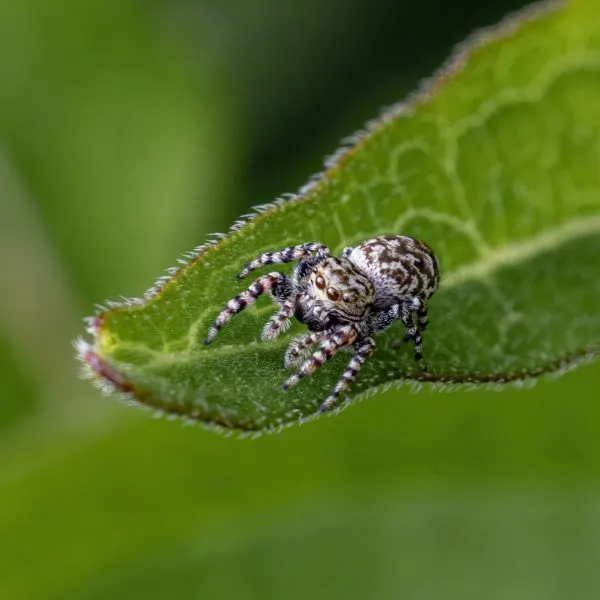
(130, 130)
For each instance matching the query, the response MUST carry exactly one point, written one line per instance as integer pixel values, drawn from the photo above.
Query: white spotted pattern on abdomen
(399, 267)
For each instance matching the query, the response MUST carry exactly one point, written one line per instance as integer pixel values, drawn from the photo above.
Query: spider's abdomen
(398, 266)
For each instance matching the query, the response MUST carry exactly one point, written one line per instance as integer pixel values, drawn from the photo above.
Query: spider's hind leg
(422, 322)
(415, 324)
(413, 314)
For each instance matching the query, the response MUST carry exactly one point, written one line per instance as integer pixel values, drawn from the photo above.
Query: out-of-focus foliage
(108, 119)
(464, 495)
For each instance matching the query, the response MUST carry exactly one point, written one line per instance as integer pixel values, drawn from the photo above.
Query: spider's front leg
(276, 283)
(280, 321)
(299, 347)
(286, 255)
(332, 341)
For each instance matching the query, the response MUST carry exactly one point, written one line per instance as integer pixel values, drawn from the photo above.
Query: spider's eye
(320, 282)
(333, 294)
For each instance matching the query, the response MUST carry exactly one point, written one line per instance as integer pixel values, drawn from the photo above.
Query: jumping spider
(343, 301)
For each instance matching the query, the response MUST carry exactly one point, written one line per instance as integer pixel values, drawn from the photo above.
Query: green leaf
(495, 163)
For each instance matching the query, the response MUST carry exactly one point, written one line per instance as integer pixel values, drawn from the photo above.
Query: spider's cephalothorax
(343, 301)
(335, 292)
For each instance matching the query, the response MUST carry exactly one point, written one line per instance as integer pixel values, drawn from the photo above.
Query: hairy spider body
(318, 306)
(343, 301)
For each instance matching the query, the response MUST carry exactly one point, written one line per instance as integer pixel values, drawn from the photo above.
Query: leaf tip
(107, 378)
(82, 348)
